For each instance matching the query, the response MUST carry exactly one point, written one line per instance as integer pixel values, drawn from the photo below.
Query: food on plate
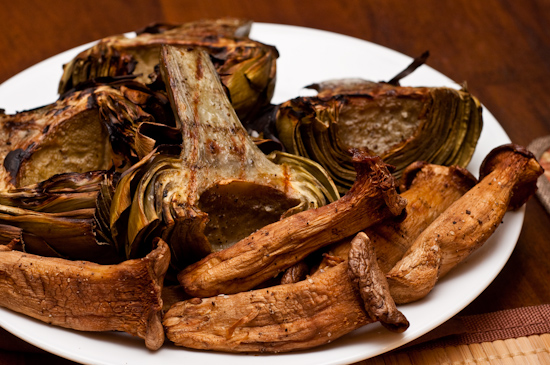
(508, 177)
(91, 129)
(247, 68)
(143, 171)
(278, 246)
(292, 316)
(429, 189)
(86, 296)
(297, 272)
(371, 283)
(400, 124)
(217, 187)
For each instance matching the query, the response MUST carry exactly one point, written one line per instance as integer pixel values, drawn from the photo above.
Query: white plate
(306, 56)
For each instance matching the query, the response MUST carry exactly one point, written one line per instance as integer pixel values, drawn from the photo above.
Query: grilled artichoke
(55, 173)
(55, 189)
(217, 187)
(400, 124)
(99, 128)
(247, 68)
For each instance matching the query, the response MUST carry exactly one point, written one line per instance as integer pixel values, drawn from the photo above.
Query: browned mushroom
(509, 174)
(290, 316)
(86, 296)
(429, 190)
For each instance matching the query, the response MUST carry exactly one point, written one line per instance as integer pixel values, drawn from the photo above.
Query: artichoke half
(99, 128)
(217, 187)
(61, 163)
(247, 68)
(400, 124)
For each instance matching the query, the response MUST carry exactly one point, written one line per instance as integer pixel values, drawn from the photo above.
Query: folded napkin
(489, 327)
(513, 336)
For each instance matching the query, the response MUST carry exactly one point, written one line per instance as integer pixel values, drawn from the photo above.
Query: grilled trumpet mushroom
(247, 68)
(400, 124)
(292, 316)
(508, 178)
(216, 188)
(99, 128)
(276, 247)
(429, 190)
(86, 296)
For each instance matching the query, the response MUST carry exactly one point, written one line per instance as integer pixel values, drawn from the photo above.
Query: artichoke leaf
(123, 201)
(145, 212)
(68, 236)
(62, 217)
(312, 170)
(60, 193)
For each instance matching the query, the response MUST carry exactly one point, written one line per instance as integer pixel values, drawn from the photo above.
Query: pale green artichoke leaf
(315, 177)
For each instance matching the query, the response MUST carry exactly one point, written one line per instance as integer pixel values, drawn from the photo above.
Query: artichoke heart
(247, 68)
(400, 124)
(218, 187)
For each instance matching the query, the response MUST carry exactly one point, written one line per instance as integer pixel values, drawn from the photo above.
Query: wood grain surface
(500, 48)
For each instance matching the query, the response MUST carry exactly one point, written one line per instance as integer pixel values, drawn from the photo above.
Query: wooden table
(500, 48)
